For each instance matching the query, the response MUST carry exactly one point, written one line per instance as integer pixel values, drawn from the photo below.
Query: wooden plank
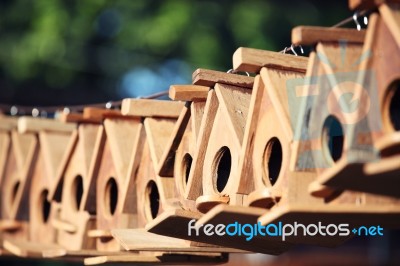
(209, 78)
(235, 102)
(365, 215)
(77, 118)
(55, 191)
(374, 177)
(151, 108)
(33, 249)
(8, 123)
(245, 167)
(158, 131)
(188, 92)
(226, 214)
(99, 113)
(390, 13)
(166, 166)
(141, 240)
(310, 35)
(130, 258)
(30, 124)
(197, 112)
(252, 60)
(99, 233)
(53, 147)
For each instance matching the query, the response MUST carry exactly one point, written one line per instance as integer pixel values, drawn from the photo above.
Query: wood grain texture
(225, 214)
(31, 124)
(188, 92)
(166, 167)
(195, 184)
(33, 249)
(118, 163)
(77, 180)
(151, 108)
(252, 60)
(390, 13)
(141, 240)
(209, 78)
(309, 35)
(8, 123)
(94, 113)
(230, 118)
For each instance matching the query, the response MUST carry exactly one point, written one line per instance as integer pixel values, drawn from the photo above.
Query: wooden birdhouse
(317, 142)
(195, 185)
(49, 137)
(371, 162)
(154, 194)
(21, 152)
(76, 187)
(9, 177)
(116, 200)
(229, 105)
(53, 137)
(266, 137)
(177, 160)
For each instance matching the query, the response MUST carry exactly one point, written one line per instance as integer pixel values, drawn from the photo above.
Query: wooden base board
(141, 240)
(227, 214)
(166, 259)
(366, 215)
(33, 250)
(220, 214)
(51, 251)
(375, 177)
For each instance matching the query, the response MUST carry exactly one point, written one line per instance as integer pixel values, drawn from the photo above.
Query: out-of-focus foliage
(59, 52)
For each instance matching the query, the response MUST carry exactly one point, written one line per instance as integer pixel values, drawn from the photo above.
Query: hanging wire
(353, 18)
(35, 111)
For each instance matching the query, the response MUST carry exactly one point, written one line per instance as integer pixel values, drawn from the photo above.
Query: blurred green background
(55, 52)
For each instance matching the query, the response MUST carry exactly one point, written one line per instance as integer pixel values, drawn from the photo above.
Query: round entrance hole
(185, 170)
(332, 138)
(272, 160)
(77, 191)
(45, 206)
(222, 168)
(111, 196)
(152, 200)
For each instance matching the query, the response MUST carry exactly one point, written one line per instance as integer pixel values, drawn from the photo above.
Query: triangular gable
(276, 87)
(53, 146)
(235, 103)
(158, 132)
(122, 138)
(166, 166)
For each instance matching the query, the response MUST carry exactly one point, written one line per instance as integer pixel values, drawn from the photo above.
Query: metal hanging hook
(355, 18)
(231, 71)
(293, 50)
(365, 20)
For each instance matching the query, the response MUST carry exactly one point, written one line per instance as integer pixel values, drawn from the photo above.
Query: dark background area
(55, 52)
